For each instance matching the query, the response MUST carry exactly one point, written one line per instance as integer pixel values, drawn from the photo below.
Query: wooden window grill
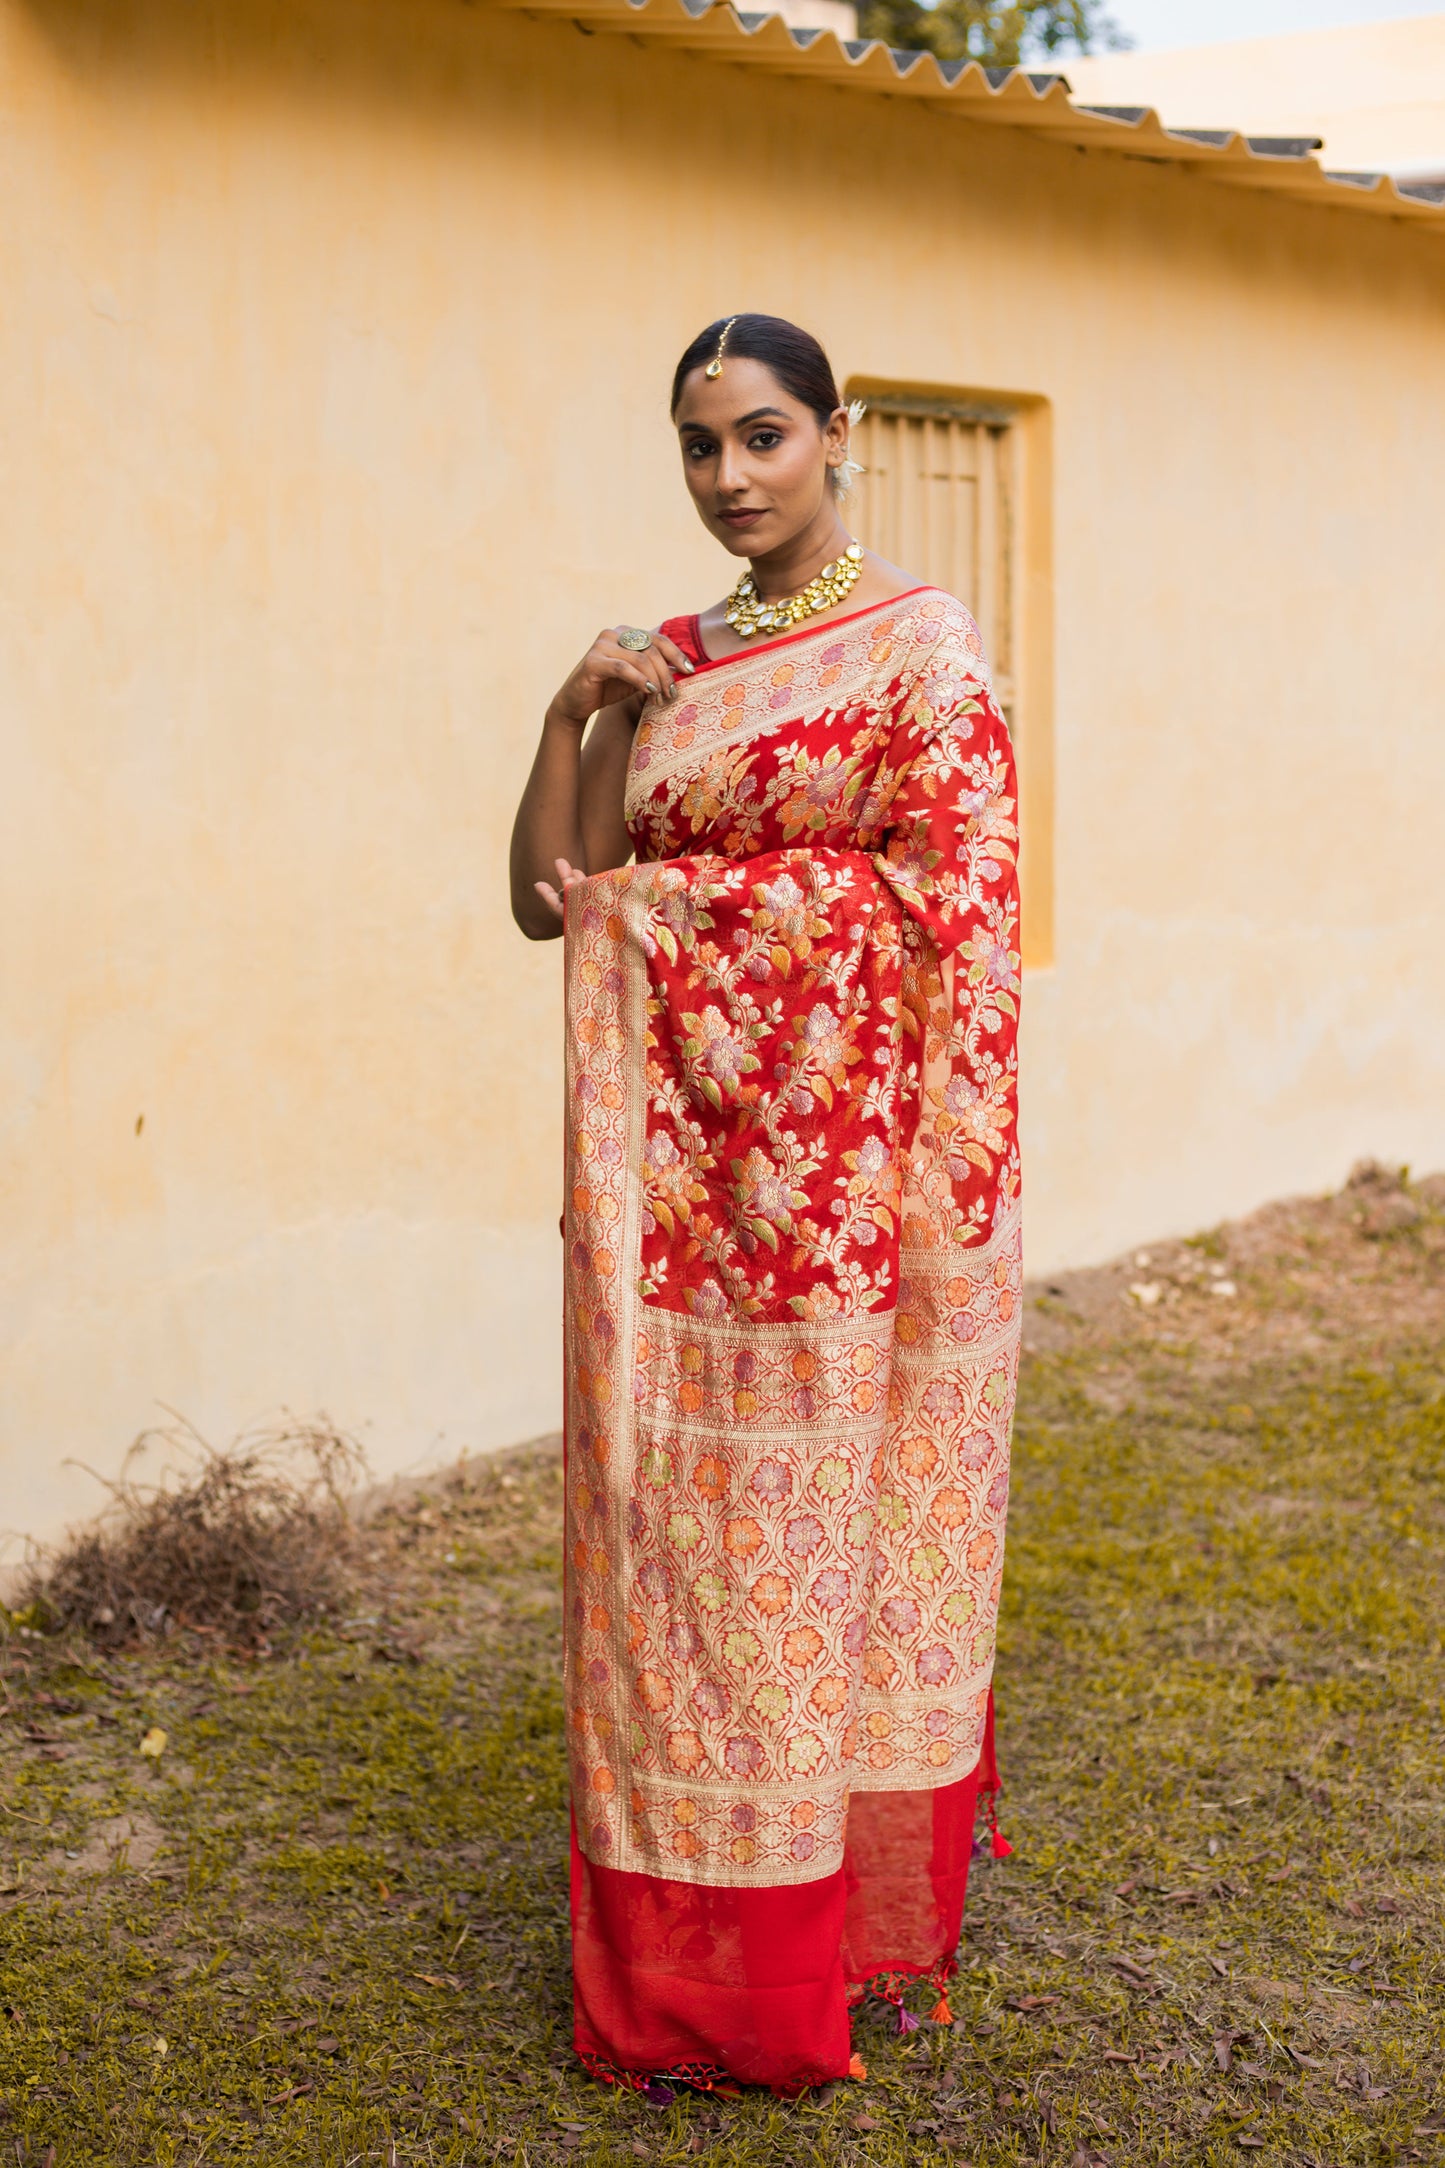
(939, 497)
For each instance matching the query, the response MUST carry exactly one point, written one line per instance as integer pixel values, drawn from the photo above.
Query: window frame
(1021, 424)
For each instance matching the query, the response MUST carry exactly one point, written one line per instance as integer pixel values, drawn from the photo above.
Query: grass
(327, 1923)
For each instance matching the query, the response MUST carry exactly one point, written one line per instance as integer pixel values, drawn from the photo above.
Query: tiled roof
(1000, 97)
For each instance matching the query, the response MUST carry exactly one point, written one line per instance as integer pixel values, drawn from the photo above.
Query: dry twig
(235, 1541)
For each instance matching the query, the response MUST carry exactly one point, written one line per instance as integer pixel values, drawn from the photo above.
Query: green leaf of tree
(991, 31)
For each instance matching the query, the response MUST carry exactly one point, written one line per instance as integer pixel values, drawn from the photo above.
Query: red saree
(792, 1330)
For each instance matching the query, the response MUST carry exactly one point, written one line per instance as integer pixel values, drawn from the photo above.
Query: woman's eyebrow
(701, 428)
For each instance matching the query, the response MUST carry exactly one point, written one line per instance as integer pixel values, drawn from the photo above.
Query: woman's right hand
(572, 814)
(609, 673)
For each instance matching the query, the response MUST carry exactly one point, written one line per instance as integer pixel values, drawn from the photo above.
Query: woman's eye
(766, 439)
(699, 448)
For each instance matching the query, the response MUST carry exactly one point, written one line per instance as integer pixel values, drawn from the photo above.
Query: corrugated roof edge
(1009, 97)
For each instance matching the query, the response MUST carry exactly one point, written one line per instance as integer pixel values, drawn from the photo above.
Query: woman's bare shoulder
(882, 582)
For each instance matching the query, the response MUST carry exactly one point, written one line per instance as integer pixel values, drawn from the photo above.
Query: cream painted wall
(334, 340)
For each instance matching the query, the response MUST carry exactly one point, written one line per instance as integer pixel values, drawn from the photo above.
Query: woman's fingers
(659, 661)
(567, 877)
(676, 660)
(609, 672)
(662, 675)
(666, 660)
(632, 676)
(651, 667)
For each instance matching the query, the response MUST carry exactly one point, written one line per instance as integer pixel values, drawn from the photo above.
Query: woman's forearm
(550, 840)
(548, 824)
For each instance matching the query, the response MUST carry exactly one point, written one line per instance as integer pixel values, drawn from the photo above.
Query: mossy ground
(328, 1924)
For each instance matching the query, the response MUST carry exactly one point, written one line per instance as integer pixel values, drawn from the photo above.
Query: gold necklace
(747, 613)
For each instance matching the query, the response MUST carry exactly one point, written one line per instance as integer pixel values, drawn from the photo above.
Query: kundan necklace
(747, 613)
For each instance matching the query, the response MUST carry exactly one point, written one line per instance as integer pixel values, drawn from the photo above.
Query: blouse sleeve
(684, 632)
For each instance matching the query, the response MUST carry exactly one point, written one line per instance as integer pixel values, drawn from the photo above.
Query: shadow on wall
(367, 56)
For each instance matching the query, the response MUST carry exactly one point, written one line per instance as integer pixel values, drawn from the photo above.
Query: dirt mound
(1358, 1272)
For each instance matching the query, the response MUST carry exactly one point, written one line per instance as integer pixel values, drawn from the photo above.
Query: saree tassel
(907, 2022)
(940, 2013)
(857, 2068)
(989, 1786)
(998, 1842)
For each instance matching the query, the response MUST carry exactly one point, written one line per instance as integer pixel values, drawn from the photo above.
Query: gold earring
(714, 367)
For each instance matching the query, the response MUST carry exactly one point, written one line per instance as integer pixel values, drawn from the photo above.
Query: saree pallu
(792, 1318)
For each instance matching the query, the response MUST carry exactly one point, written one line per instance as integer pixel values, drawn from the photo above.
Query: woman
(792, 1257)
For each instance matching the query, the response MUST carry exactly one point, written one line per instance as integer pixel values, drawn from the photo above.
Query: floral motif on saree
(793, 1251)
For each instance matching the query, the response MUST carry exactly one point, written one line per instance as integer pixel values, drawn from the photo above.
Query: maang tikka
(714, 367)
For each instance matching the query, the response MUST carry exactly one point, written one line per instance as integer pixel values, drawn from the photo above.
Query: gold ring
(634, 639)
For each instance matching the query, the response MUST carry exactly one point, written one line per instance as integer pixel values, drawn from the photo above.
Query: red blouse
(686, 633)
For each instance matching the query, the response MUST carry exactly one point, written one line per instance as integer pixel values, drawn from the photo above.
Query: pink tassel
(907, 2022)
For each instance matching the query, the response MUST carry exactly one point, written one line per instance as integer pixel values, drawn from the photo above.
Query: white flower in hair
(847, 470)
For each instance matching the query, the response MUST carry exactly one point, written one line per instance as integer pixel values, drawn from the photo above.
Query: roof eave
(1016, 97)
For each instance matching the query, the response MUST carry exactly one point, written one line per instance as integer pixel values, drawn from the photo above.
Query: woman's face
(755, 458)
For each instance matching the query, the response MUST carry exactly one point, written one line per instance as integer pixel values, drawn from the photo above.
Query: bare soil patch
(1349, 1276)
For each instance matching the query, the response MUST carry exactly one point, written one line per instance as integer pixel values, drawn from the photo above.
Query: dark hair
(793, 355)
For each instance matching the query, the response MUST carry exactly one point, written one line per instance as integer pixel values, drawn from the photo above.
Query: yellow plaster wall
(334, 343)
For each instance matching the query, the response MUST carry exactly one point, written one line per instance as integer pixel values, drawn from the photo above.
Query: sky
(1155, 23)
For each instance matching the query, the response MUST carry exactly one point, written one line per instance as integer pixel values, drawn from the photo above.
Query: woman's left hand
(567, 877)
